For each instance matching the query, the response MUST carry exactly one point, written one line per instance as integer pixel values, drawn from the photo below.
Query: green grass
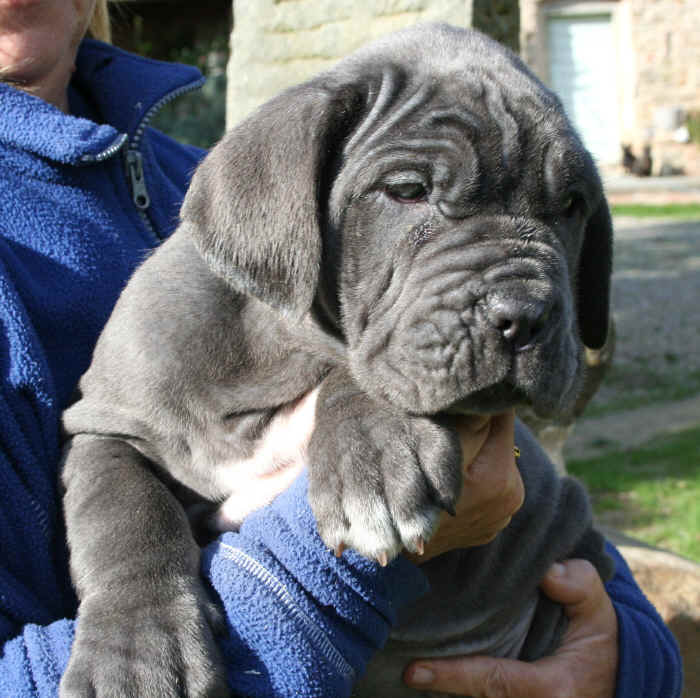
(684, 211)
(651, 493)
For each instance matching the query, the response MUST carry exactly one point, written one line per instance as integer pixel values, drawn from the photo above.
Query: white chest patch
(279, 457)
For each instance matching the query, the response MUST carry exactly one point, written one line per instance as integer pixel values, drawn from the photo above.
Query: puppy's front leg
(378, 478)
(145, 624)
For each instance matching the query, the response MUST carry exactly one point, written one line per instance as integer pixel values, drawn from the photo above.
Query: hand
(584, 665)
(492, 489)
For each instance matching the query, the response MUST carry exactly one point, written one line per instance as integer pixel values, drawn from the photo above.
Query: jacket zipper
(139, 192)
(134, 159)
(108, 152)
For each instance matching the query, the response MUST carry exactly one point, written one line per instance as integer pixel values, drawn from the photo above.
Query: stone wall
(658, 68)
(277, 43)
(531, 39)
(666, 41)
(666, 44)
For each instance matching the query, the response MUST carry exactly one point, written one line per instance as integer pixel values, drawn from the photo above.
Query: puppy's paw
(159, 646)
(378, 481)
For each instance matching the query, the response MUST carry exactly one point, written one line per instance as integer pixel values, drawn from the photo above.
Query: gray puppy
(418, 231)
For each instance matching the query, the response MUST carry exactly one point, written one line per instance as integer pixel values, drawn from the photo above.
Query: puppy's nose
(520, 323)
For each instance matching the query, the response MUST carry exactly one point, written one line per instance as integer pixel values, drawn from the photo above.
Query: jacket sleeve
(303, 623)
(649, 659)
(300, 621)
(34, 658)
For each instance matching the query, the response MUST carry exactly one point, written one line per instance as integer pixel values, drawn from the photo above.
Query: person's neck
(50, 85)
(58, 96)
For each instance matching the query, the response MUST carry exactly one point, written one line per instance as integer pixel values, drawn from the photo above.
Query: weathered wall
(531, 49)
(666, 43)
(666, 39)
(276, 43)
(658, 68)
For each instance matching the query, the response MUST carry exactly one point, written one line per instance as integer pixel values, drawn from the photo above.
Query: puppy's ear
(595, 269)
(254, 205)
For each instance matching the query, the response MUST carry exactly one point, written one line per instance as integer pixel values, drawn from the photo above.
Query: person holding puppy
(76, 220)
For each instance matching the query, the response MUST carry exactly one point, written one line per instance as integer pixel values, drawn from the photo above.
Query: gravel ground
(656, 305)
(656, 291)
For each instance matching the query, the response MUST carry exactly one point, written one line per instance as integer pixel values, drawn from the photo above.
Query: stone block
(277, 43)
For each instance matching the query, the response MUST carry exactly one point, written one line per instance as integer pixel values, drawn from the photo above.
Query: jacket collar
(127, 87)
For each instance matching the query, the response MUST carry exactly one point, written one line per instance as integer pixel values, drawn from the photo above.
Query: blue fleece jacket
(82, 199)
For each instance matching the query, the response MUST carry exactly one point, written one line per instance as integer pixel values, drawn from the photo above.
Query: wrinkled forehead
(462, 120)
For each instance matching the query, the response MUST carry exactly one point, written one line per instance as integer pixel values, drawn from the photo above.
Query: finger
(493, 482)
(496, 452)
(483, 677)
(472, 423)
(575, 584)
(472, 430)
(503, 425)
(495, 455)
(485, 532)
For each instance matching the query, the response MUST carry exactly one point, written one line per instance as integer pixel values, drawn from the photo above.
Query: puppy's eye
(407, 192)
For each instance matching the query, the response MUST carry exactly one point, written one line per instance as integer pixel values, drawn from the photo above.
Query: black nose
(520, 322)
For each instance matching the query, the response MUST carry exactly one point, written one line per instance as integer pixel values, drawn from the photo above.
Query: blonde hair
(100, 27)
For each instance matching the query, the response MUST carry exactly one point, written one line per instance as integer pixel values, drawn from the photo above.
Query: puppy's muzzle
(511, 338)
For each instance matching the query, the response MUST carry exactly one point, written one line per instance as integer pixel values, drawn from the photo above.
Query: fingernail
(557, 570)
(422, 675)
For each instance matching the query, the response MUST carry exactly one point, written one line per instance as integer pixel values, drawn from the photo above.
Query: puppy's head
(430, 200)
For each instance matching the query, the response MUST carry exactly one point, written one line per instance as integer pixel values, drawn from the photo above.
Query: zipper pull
(139, 192)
